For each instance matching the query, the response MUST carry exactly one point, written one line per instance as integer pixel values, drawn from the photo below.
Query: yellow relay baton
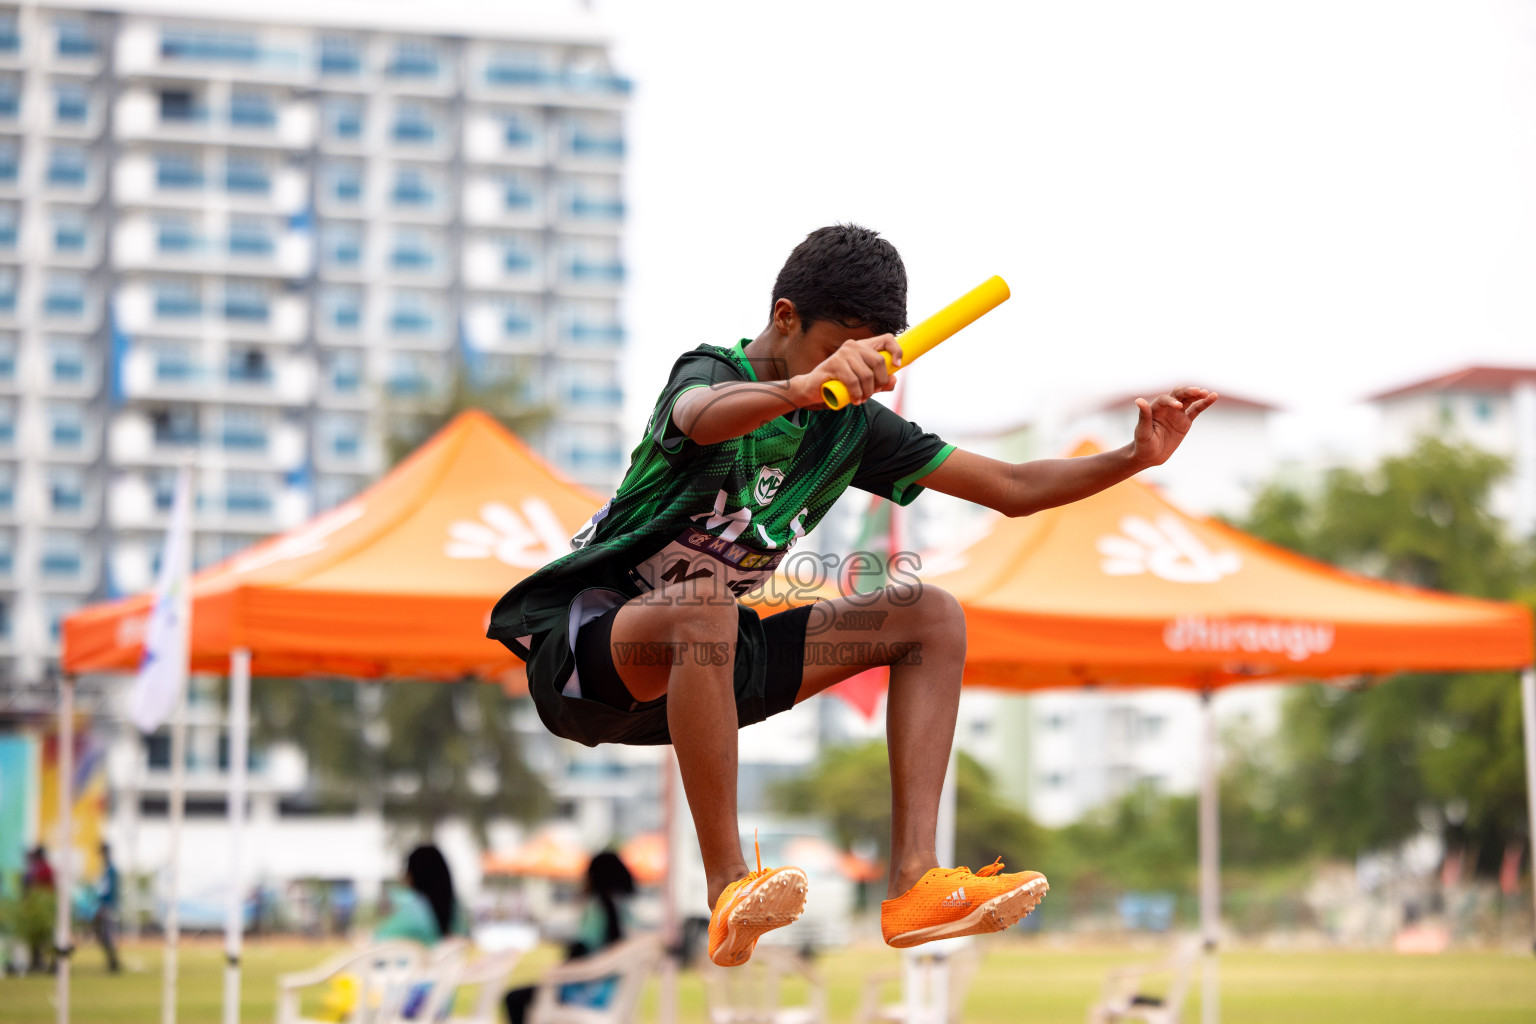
(963, 312)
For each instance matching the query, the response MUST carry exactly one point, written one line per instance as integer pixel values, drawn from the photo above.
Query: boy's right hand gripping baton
(964, 311)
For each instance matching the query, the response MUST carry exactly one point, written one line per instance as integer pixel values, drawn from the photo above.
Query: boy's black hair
(846, 274)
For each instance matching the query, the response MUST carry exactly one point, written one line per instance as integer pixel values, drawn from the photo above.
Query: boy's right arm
(709, 415)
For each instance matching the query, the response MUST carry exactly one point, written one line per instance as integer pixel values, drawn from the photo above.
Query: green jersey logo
(768, 481)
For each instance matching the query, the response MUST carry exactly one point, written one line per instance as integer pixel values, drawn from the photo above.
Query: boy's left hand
(1165, 420)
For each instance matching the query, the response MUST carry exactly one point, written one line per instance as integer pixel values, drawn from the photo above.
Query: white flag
(163, 670)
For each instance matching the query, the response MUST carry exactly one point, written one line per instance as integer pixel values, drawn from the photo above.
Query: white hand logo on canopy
(1166, 549)
(524, 541)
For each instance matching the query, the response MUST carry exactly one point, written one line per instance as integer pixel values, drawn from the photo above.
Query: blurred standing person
(38, 896)
(427, 910)
(104, 922)
(604, 921)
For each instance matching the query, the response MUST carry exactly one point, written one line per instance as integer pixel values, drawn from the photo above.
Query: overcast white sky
(1302, 201)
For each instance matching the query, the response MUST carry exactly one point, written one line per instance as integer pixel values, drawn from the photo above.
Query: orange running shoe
(761, 902)
(947, 902)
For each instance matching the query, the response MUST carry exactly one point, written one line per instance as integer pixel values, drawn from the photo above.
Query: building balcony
(495, 79)
(67, 572)
(140, 244)
(134, 441)
(149, 376)
(139, 181)
(134, 504)
(140, 310)
(151, 49)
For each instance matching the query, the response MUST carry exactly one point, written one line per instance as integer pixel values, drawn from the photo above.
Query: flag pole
(176, 800)
(62, 946)
(239, 737)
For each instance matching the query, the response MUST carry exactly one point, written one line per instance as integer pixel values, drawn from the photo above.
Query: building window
(519, 132)
(7, 291)
(175, 426)
(345, 182)
(244, 430)
(413, 251)
(68, 166)
(7, 423)
(8, 223)
(346, 373)
(69, 227)
(414, 124)
(7, 358)
(340, 55)
(344, 119)
(414, 58)
(412, 188)
(66, 427)
(75, 39)
(176, 170)
(177, 297)
(408, 376)
(249, 366)
(518, 193)
(250, 237)
(10, 96)
(71, 103)
(66, 359)
(57, 608)
(1482, 408)
(342, 245)
(517, 320)
(219, 47)
(174, 363)
(66, 490)
(247, 174)
(10, 161)
(412, 314)
(10, 36)
(180, 106)
(519, 68)
(7, 503)
(247, 494)
(252, 110)
(64, 295)
(246, 300)
(162, 484)
(175, 234)
(343, 308)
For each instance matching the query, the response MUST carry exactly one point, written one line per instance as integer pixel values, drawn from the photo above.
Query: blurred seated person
(427, 910)
(604, 922)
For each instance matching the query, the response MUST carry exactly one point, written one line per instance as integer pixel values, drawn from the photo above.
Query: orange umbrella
(646, 857)
(544, 856)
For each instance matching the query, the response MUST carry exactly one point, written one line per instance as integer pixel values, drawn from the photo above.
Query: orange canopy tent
(1125, 589)
(546, 855)
(396, 582)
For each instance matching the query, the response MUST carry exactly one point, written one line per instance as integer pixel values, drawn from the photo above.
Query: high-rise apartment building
(243, 238)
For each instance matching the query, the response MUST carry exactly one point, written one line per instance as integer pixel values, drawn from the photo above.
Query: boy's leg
(701, 704)
(928, 624)
(700, 628)
(927, 629)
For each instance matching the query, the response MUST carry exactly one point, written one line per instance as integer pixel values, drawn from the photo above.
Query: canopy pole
(63, 948)
(175, 805)
(1528, 706)
(239, 742)
(1210, 864)
(671, 933)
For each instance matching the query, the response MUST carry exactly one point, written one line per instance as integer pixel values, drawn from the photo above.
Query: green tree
(1372, 765)
(507, 398)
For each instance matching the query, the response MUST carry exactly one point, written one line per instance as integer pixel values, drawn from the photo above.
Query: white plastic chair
(384, 974)
(489, 975)
(627, 963)
(936, 977)
(750, 994)
(1123, 1000)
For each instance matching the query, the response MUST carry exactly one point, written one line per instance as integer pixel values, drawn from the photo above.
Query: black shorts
(769, 666)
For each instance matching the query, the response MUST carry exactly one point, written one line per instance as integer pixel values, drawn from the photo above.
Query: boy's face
(804, 349)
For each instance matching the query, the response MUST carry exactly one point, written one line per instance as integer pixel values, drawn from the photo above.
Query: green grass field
(1020, 981)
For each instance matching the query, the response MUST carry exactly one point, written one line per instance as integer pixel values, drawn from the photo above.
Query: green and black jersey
(736, 507)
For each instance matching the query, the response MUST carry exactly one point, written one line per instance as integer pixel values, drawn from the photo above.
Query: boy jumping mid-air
(636, 636)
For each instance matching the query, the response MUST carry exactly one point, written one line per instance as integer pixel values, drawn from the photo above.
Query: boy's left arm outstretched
(1018, 489)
